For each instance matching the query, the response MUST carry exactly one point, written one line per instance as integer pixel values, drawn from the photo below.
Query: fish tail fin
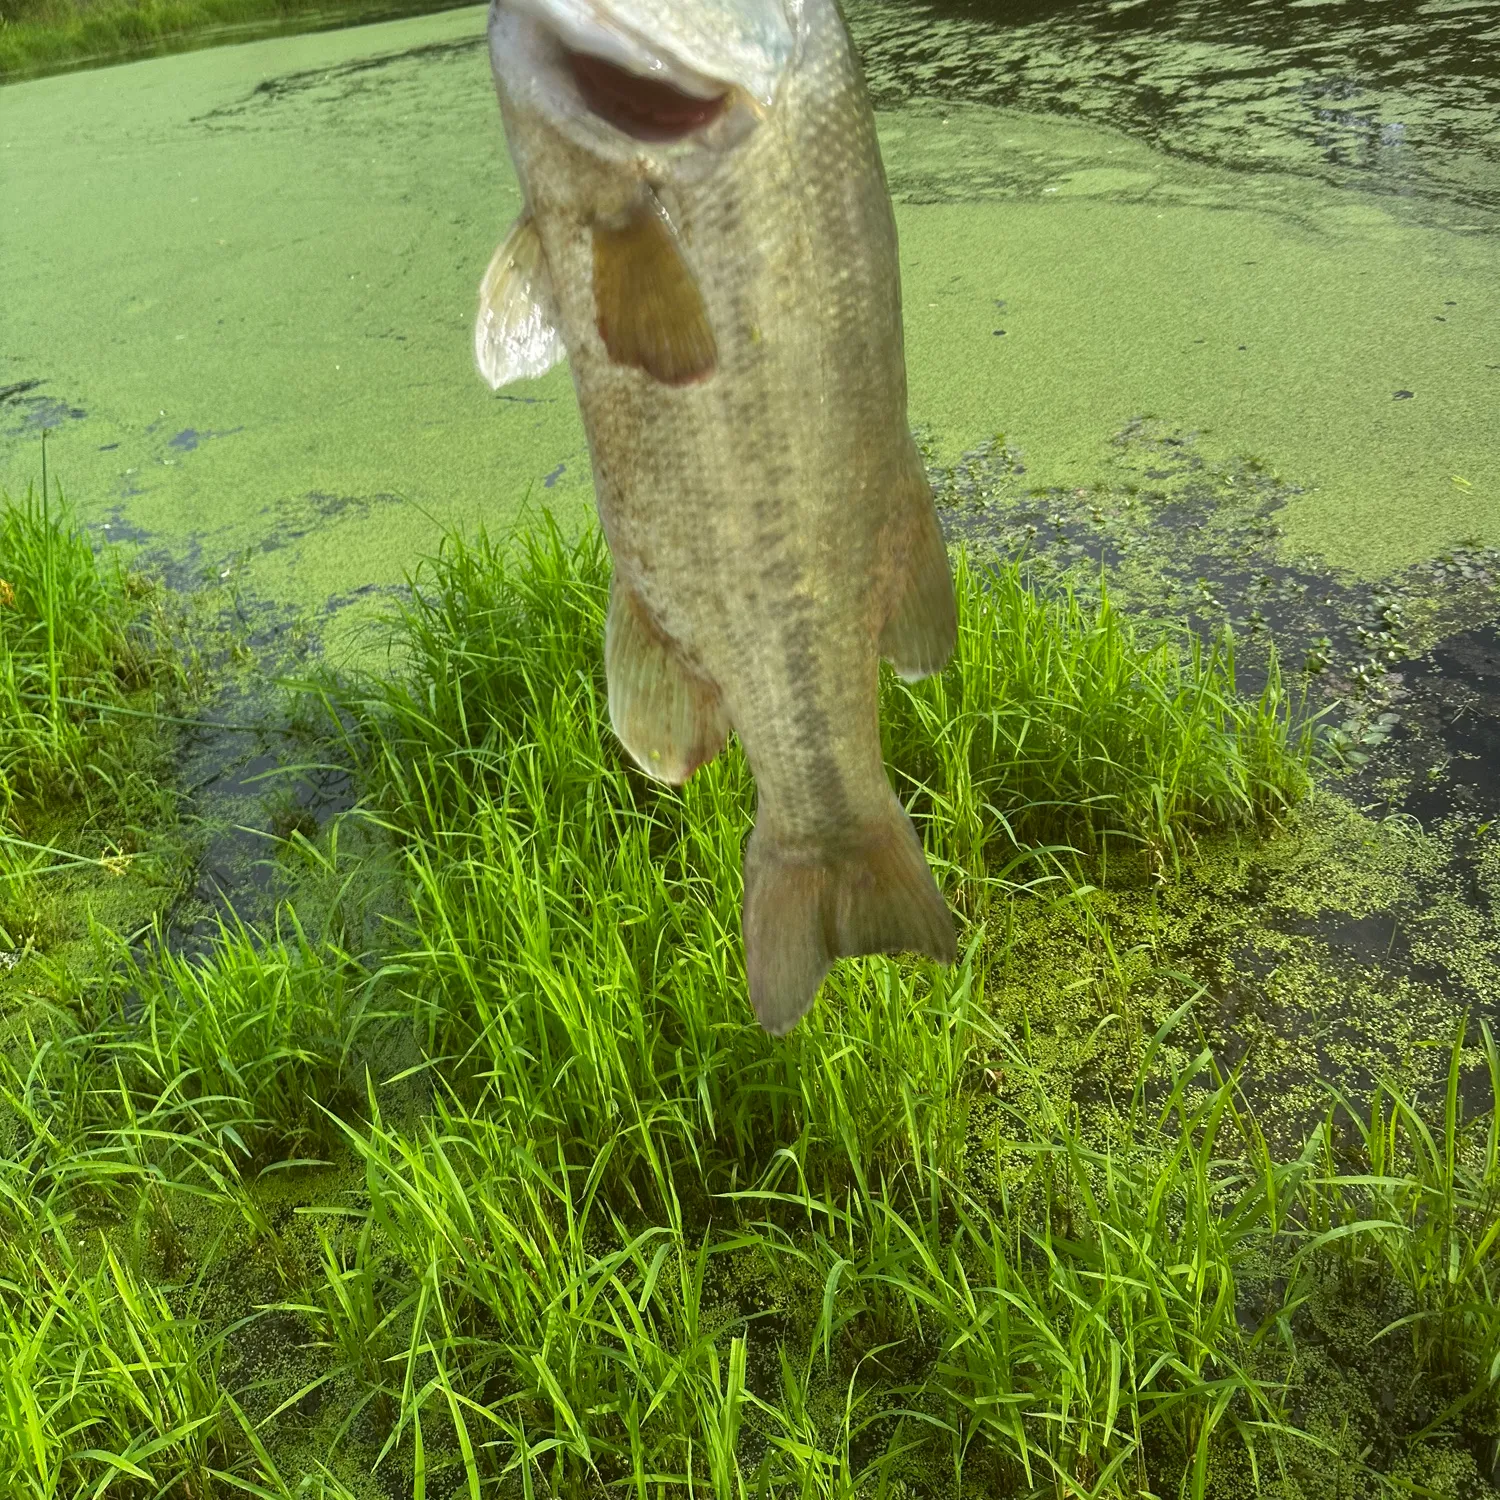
(805, 909)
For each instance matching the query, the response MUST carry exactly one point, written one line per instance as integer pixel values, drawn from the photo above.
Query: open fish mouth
(645, 108)
(660, 72)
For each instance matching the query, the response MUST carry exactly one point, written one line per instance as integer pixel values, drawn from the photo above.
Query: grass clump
(80, 636)
(164, 1069)
(91, 667)
(1414, 1235)
(105, 1387)
(1056, 724)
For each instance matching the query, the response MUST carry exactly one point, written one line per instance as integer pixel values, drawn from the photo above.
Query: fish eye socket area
(640, 107)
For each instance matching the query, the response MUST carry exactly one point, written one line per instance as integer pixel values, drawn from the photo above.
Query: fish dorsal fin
(650, 311)
(515, 335)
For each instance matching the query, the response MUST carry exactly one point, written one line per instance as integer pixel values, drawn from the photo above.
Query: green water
(245, 280)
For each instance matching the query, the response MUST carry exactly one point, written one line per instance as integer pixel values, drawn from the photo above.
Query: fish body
(709, 237)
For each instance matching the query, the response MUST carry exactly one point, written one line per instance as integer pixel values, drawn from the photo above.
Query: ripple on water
(1399, 99)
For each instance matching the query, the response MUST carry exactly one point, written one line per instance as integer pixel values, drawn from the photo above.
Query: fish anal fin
(920, 635)
(669, 717)
(515, 334)
(649, 310)
(803, 912)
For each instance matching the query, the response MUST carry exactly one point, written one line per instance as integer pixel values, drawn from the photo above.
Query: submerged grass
(603, 1235)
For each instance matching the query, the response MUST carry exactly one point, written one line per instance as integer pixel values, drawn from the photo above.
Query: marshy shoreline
(449, 1155)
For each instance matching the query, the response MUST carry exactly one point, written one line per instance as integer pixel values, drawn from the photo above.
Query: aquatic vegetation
(41, 36)
(586, 1228)
(104, 1383)
(1420, 1224)
(173, 1073)
(93, 672)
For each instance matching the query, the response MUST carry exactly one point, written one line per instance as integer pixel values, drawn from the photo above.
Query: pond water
(239, 282)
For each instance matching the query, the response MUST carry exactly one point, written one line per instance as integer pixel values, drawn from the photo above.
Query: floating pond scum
(381, 1112)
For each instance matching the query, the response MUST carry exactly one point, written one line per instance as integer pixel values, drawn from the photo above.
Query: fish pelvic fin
(803, 912)
(647, 303)
(515, 334)
(668, 716)
(920, 635)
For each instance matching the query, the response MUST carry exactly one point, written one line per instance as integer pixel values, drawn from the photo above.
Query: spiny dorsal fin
(649, 309)
(515, 335)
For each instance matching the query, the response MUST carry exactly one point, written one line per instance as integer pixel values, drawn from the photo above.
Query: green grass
(103, 1382)
(585, 1230)
(92, 665)
(45, 36)
(81, 638)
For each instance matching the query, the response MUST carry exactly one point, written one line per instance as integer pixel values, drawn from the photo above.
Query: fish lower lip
(639, 107)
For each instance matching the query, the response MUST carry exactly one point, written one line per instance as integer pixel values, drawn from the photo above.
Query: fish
(707, 237)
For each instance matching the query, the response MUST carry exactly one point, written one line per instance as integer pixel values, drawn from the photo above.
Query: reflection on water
(1399, 97)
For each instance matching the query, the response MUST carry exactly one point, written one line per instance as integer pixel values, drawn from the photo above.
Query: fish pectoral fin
(648, 307)
(919, 637)
(668, 716)
(515, 334)
(802, 913)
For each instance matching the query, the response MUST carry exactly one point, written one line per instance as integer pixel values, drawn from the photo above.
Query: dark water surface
(1395, 97)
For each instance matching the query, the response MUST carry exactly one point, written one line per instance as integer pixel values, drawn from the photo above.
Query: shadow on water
(242, 767)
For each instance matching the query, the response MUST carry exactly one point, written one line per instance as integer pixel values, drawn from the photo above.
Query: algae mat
(238, 288)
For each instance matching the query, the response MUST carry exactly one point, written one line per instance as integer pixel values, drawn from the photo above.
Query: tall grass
(186, 1074)
(105, 1387)
(1416, 1232)
(1055, 724)
(619, 1241)
(81, 638)
(612, 1136)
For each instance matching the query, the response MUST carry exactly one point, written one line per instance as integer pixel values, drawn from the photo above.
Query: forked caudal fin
(803, 913)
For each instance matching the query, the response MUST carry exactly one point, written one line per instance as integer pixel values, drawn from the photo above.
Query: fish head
(637, 80)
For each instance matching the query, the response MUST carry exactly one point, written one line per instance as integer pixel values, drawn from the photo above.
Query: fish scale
(730, 306)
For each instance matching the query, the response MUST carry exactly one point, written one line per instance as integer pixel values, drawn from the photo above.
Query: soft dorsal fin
(649, 309)
(516, 335)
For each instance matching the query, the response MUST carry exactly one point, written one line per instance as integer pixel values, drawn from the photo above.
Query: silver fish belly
(730, 305)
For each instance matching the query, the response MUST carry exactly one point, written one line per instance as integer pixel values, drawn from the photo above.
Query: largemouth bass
(708, 238)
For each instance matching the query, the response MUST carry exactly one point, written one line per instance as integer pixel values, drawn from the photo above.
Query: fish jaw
(696, 48)
(642, 84)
